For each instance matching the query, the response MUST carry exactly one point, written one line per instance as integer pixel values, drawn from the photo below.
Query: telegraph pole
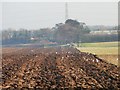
(66, 11)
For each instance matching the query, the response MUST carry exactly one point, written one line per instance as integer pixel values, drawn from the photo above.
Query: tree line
(71, 31)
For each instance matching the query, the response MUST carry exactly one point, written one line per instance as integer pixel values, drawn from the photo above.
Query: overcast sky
(35, 15)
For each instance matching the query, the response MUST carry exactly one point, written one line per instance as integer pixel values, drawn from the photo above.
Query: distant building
(105, 32)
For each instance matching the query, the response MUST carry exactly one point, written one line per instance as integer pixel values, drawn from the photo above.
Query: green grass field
(100, 44)
(105, 50)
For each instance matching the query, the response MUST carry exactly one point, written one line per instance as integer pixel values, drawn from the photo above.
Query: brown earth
(60, 67)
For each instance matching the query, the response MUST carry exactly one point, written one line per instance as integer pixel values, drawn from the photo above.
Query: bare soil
(59, 67)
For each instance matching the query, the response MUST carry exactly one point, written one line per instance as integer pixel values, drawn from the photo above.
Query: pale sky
(35, 15)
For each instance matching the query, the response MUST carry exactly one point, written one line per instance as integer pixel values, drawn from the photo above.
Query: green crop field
(100, 50)
(100, 44)
(105, 50)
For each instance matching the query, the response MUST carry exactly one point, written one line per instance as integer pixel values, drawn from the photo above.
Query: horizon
(53, 26)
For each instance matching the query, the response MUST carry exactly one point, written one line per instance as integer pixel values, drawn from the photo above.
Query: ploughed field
(59, 67)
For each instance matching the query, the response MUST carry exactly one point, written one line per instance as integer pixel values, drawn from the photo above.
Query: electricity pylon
(66, 11)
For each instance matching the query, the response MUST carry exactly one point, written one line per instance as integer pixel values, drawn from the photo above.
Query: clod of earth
(59, 67)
